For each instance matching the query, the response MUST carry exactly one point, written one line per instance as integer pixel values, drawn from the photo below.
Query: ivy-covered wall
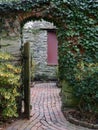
(78, 54)
(10, 35)
(77, 23)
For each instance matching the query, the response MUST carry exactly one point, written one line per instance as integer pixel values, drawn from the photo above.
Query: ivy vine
(78, 51)
(77, 23)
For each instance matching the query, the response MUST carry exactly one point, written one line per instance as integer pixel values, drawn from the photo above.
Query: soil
(83, 119)
(3, 125)
(6, 123)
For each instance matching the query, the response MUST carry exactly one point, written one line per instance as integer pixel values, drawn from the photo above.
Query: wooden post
(27, 79)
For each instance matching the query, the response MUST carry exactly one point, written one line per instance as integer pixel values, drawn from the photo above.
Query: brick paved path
(46, 111)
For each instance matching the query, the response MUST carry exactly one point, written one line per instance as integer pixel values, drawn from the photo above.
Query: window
(52, 48)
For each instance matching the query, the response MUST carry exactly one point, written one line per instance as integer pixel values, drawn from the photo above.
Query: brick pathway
(46, 111)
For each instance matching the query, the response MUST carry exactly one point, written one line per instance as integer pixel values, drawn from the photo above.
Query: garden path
(46, 111)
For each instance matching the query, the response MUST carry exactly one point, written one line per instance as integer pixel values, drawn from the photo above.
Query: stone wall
(10, 36)
(11, 45)
(37, 38)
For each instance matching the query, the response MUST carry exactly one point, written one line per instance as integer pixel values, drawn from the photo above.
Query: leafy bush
(9, 85)
(86, 87)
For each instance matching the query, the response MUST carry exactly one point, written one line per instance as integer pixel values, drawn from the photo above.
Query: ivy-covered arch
(77, 23)
(13, 24)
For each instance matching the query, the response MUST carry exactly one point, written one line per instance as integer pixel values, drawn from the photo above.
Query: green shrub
(9, 85)
(86, 87)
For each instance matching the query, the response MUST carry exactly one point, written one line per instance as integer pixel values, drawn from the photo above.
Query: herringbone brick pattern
(46, 111)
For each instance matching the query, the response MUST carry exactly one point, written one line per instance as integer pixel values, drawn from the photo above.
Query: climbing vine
(20, 5)
(78, 52)
(77, 23)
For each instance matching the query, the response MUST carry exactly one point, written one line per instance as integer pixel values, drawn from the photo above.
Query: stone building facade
(36, 34)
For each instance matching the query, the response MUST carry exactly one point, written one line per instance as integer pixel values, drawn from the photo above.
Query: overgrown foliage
(9, 85)
(78, 51)
(77, 23)
(20, 5)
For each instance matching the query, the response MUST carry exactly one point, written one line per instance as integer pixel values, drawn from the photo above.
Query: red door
(52, 48)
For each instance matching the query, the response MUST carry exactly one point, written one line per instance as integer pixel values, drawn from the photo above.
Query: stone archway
(18, 17)
(12, 25)
(77, 22)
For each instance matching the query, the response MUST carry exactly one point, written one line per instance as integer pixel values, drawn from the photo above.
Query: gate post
(27, 80)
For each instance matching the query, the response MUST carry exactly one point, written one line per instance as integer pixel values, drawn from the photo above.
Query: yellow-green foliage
(9, 85)
(5, 56)
(84, 70)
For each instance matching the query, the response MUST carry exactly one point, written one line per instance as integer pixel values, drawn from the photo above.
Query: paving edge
(77, 122)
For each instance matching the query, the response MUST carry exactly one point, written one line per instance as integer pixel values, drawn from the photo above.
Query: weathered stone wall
(38, 41)
(10, 36)
(11, 45)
